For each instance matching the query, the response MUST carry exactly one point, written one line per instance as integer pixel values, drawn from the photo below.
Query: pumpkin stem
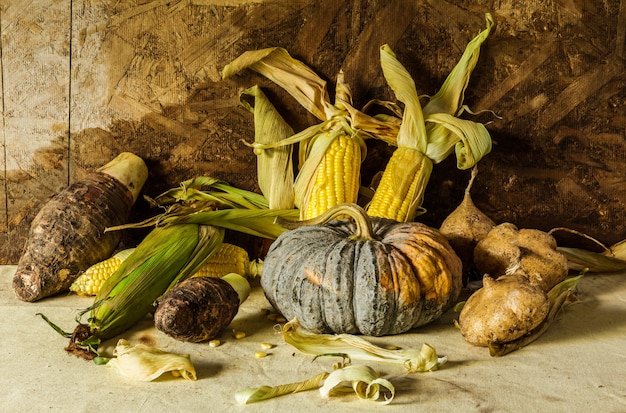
(364, 229)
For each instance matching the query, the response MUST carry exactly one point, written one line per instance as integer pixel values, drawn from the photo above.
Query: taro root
(528, 252)
(197, 309)
(503, 310)
(68, 234)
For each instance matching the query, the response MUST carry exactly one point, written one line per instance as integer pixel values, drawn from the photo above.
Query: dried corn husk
(579, 259)
(357, 348)
(436, 130)
(338, 118)
(210, 189)
(365, 382)
(275, 165)
(143, 363)
(257, 394)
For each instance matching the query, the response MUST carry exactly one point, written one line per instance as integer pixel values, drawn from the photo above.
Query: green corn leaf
(253, 222)
(167, 254)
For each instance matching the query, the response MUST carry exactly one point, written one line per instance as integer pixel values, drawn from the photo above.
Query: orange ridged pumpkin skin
(405, 277)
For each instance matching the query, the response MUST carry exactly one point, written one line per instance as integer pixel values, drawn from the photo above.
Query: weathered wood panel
(35, 111)
(85, 79)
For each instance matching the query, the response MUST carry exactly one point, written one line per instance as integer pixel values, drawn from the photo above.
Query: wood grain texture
(83, 80)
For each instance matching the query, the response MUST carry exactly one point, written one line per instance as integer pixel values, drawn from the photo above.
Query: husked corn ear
(337, 177)
(228, 258)
(401, 188)
(89, 282)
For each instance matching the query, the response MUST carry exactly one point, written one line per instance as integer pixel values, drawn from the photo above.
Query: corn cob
(401, 188)
(89, 282)
(427, 136)
(330, 153)
(227, 259)
(166, 256)
(337, 177)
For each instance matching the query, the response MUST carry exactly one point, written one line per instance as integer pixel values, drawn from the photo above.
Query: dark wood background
(83, 80)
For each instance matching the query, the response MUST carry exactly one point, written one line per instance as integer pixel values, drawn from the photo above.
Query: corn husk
(365, 382)
(582, 259)
(310, 90)
(205, 200)
(357, 348)
(143, 363)
(257, 394)
(275, 173)
(209, 189)
(436, 130)
(617, 250)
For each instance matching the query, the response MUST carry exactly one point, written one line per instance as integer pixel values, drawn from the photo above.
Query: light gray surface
(579, 365)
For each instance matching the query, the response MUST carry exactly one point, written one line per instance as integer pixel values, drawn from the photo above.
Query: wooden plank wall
(83, 80)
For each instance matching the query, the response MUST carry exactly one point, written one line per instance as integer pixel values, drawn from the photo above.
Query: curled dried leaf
(356, 348)
(145, 363)
(364, 381)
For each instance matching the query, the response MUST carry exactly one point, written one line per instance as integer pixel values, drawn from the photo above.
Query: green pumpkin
(362, 275)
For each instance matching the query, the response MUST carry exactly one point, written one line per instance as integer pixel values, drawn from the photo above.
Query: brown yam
(466, 226)
(68, 234)
(197, 309)
(503, 310)
(528, 252)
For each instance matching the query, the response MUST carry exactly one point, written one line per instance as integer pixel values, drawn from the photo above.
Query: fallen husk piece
(558, 297)
(364, 381)
(611, 259)
(579, 259)
(357, 348)
(257, 394)
(145, 363)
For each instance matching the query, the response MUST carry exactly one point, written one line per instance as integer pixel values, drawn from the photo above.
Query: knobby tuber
(503, 310)
(68, 233)
(528, 252)
(198, 308)
(466, 226)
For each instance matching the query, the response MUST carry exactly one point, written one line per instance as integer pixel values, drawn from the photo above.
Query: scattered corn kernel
(214, 343)
(267, 346)
(260, 354)
(281, 319)
(272, 316)
(238, 334)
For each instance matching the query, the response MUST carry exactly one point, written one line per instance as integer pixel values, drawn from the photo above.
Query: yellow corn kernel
(260, 354)
(267, 346)
(90, 281)
(402, 185)
(214, 343)
(337, 178)
(239, 334)
(227, 259)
